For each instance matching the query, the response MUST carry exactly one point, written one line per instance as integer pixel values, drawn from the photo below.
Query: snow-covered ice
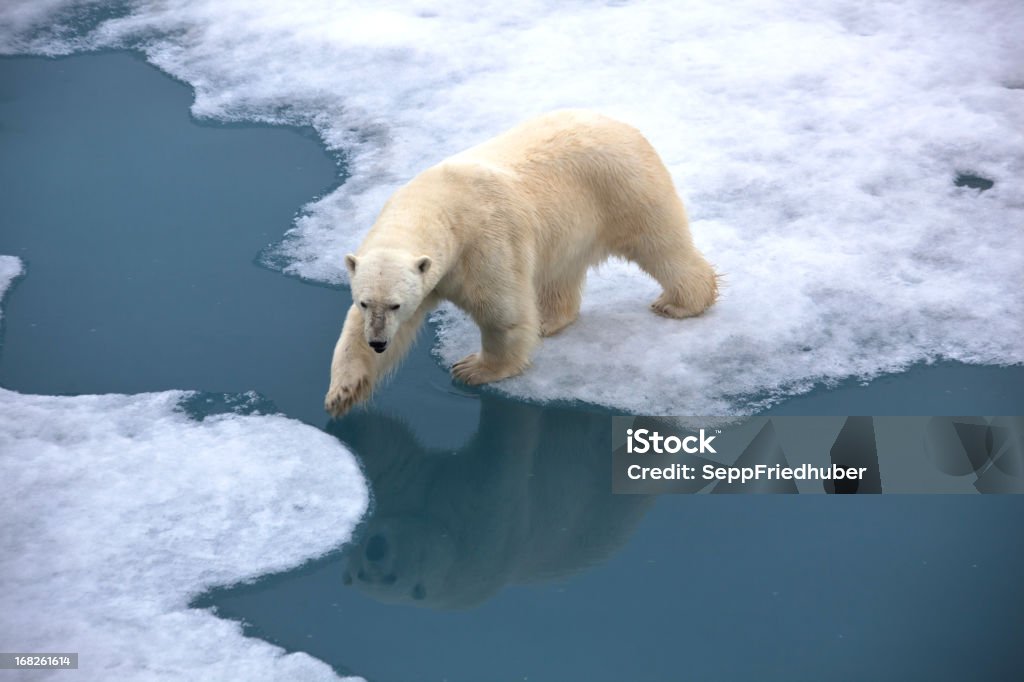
(118, 509)
(815, 144)
(10, 268)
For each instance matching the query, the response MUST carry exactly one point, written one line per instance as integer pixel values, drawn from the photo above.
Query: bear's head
(388, 285)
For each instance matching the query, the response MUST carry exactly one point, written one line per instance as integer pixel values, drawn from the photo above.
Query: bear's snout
(377, 548)
(377, 564)
(379, 346)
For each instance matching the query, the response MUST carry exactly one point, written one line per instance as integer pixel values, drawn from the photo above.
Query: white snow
(815, 144)
(10, 268)
(118, 509)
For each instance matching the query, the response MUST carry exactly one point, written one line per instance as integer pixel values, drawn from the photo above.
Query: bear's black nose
(377, 548)
(378, 346)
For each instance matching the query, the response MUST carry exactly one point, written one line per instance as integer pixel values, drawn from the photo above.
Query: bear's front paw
(473, 370)
(345, 393)
(667, 308)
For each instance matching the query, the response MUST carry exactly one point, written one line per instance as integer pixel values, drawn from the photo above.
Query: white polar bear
(506, 230)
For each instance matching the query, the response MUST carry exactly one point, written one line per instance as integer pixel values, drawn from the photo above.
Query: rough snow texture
(816, 146)
(10, 269)
(118, 509)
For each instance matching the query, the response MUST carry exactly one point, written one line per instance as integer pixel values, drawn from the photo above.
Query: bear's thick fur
(507, 230)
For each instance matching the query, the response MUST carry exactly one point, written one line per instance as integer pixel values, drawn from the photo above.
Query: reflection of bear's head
(388, 286)
(528, 498)
(401, 558)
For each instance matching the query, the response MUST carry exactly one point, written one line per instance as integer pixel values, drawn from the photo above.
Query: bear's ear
(423, 264)
(350, 263)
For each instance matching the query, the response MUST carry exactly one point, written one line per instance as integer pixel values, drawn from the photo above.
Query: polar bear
(506, 231)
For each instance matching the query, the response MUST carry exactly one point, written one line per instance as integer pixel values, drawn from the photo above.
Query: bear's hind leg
(689, 282)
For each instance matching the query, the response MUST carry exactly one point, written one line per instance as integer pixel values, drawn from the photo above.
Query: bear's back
(559, 138)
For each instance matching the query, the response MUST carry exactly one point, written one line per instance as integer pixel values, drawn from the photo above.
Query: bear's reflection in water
(527, 499)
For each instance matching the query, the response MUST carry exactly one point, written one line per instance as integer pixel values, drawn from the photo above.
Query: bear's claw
(663, 308)
(341, 398)
(472, 370)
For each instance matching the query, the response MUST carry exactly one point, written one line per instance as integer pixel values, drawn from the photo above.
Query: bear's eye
(362, 304)
(395, 306)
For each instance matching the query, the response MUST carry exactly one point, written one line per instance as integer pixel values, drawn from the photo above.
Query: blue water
(494, 550)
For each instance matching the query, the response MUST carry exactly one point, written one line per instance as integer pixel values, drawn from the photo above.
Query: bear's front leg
(353, 367)
(509, 324)
(505, 353)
